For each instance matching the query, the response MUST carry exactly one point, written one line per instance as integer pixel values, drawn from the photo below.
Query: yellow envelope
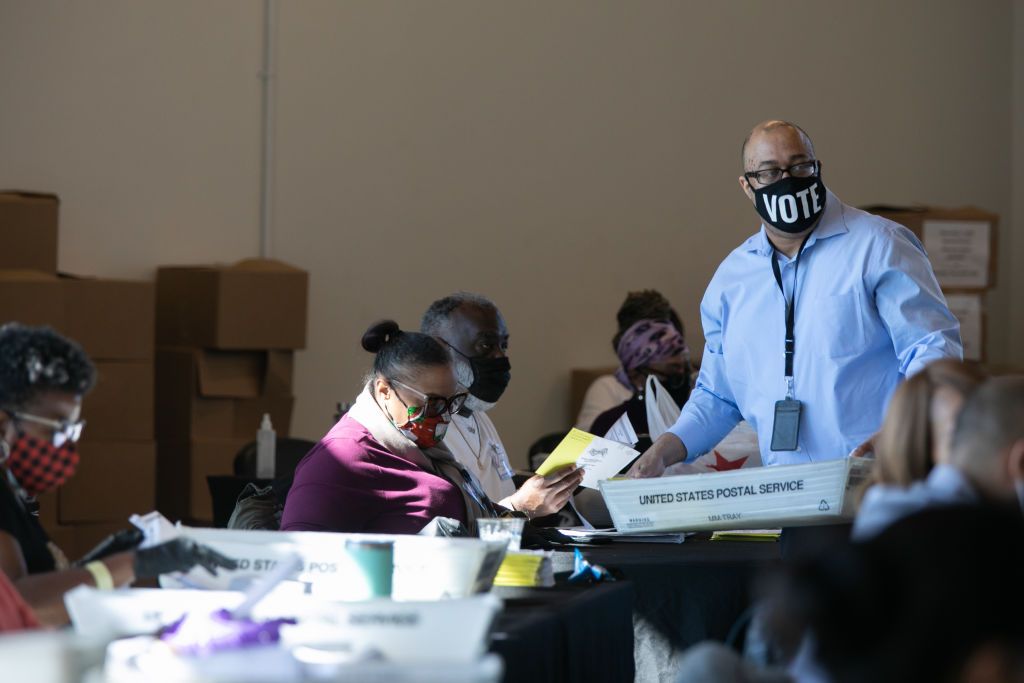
(567, 452)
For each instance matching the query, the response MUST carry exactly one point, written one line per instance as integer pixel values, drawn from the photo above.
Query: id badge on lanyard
(499, 461)
(786, 425)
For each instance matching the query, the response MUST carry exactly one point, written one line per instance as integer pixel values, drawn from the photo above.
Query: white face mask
(464, 376)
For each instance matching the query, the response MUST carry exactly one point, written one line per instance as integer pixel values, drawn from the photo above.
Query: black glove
(178, 555)
(126, 539)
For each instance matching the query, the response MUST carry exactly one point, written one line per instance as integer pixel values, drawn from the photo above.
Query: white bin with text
(758, 497)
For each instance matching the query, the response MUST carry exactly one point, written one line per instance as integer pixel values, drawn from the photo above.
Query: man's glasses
(64, 431)
(432, 405)
(767, 176)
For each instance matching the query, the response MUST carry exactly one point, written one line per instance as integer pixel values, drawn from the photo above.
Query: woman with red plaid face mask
(43, 378)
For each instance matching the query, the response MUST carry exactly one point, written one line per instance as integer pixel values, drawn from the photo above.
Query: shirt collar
(949, 480)
(833, 222)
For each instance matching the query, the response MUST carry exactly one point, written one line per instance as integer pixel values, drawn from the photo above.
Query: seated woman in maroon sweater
(382, 468)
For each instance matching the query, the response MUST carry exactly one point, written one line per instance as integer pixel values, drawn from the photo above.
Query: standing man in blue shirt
(811, 323)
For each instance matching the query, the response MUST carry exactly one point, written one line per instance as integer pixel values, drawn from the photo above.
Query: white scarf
(437, 459)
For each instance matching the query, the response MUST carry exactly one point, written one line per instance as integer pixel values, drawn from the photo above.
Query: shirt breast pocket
(844, 324)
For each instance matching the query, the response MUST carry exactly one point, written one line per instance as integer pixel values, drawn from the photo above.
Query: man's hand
(865, 448)
(545, 495)
(178, 555)
(667, 450)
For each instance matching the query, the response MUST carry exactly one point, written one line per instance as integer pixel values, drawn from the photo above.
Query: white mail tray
(753, 498)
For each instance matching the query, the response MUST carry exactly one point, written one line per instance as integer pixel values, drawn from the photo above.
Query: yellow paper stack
(526, 568)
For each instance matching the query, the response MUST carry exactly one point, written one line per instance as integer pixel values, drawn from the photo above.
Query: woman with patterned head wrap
(648, 348)
(608, 391)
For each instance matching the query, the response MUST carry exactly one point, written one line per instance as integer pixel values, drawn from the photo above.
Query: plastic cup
(508, 529)
(376, 559)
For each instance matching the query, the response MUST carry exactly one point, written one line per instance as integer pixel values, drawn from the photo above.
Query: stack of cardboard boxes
(226, 337)
(961, 244)
(113, 321)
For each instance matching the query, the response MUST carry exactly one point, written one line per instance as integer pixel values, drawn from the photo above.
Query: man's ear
(747, 190)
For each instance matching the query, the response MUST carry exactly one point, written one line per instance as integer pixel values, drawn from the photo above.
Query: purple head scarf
(646, 342)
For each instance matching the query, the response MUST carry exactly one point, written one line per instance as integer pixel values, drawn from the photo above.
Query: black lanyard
(790, 310)
(468, 485)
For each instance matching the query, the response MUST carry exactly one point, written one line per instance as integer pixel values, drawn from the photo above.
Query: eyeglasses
(63, 430)
(767, 176)
(432, 405)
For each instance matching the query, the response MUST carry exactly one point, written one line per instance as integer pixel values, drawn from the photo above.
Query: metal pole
(266, 76)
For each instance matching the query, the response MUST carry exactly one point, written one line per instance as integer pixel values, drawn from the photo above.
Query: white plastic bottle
(266, 440)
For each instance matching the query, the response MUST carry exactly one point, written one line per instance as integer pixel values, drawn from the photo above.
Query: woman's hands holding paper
(542, 495)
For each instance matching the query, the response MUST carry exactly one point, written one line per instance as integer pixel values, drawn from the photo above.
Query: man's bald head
(773, 126)
(470, 323)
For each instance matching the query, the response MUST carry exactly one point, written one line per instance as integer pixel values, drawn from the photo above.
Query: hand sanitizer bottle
(266, 440)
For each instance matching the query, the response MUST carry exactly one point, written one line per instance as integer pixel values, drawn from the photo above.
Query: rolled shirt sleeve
(910, 303)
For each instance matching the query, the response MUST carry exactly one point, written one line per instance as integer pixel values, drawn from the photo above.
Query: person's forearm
(45, 592)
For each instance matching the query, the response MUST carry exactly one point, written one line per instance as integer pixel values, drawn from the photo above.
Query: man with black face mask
(810, 324)
(475, 332)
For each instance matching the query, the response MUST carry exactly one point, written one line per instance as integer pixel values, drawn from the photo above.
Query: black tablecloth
(684, 593)
(566, 634)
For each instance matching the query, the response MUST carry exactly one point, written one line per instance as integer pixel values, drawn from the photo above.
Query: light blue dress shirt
(869, 312)
(885, 504)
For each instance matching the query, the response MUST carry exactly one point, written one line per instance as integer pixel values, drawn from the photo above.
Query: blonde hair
(905, 446)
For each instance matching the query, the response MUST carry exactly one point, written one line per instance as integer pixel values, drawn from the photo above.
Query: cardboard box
(111, 319)
(969, 309)
(254, 304)
(221, 394)
(28, 231)
(115, 479)
(182, 468)
(120, 406)
(755, 498)
(961, 243)
(31, 298)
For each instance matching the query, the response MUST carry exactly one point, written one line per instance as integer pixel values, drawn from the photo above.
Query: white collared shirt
(475, 443)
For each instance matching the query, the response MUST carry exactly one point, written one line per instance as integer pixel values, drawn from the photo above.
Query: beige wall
(549, 155)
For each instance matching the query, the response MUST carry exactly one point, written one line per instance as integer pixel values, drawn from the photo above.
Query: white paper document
(622, 431)
(584, 535)
(959, 251)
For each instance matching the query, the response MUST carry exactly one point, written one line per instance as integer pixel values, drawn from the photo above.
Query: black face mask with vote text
(791, 204)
